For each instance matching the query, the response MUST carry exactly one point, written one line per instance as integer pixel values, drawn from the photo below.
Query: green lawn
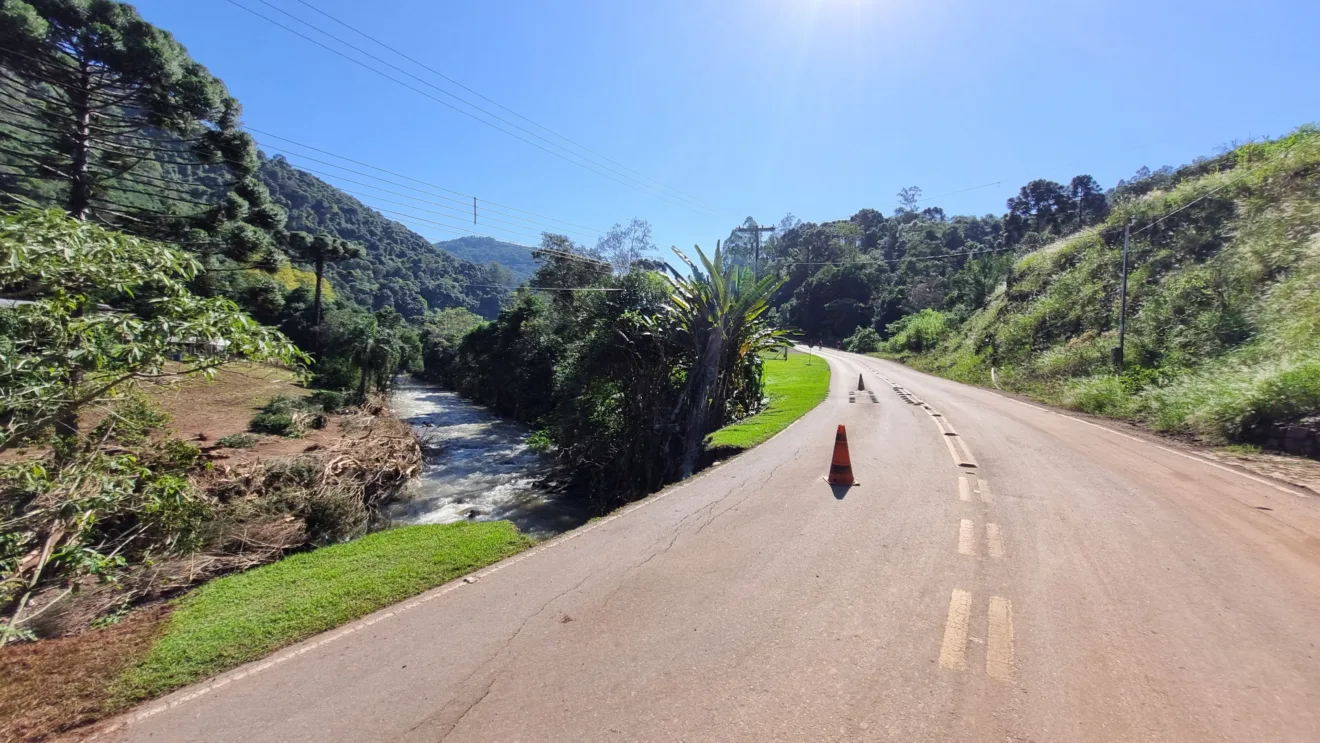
(241, 617)
(793, 386)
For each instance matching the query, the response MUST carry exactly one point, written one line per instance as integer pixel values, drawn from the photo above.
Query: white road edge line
(1184, 455)
(1106, 429)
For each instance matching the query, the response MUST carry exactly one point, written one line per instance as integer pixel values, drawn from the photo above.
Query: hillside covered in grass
(1223, 323)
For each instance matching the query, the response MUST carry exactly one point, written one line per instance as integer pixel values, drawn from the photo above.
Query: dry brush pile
(121, 528)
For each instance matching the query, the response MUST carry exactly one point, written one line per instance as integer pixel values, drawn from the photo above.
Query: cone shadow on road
(840, 491)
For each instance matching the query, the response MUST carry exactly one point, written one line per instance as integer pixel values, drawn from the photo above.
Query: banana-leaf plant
(720, 312)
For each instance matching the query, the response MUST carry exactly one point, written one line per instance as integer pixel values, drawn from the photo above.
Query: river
(477, 467)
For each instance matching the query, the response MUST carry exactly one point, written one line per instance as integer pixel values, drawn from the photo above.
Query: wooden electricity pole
(1122, 304)
(756, 236)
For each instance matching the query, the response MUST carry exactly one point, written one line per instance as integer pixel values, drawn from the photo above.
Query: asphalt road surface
(1002, 573)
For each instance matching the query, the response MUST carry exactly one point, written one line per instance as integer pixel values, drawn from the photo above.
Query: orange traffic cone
(861, 386)
(841, 465)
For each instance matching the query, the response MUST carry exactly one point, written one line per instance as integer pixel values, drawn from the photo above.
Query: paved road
(1077, 583)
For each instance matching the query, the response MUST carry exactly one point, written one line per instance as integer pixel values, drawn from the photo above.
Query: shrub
(1226, 400)
(132, 421)
(328, 401)
(863, 340)
(238, 441)
(918, 332)
(1102, 395)
(280, 424)
(285, 404)
(541, 442)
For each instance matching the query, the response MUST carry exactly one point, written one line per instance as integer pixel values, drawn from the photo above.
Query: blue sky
(761, 107)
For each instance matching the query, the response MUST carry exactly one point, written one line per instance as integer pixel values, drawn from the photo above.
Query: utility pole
(474, 210)
(1122, 302)
(756, 236)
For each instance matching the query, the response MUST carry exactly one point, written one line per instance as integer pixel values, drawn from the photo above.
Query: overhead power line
(466, 205)
(501, 106)
(990, 251)
(548, 288)
(581, 162)
(399, 175)
(961, 190)
(531, 249)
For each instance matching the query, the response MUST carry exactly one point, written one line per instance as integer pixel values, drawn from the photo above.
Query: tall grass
(1224, 304)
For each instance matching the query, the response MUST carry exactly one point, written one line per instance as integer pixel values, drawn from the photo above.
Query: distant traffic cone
(841, 465)
(861, 386)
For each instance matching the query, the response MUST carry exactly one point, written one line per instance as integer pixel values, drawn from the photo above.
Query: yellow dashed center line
(995, 540)
(967, 538)
(953, 652)
(999, 651)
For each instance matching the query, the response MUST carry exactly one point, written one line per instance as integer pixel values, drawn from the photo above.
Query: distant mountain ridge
(482, 250)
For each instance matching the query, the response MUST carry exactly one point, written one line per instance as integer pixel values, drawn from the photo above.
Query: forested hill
(401, 269)
(1222, 326)
(483, 250)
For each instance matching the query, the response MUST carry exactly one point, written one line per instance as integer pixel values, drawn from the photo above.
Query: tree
(1041, 206)
(567, 265)
(385, 345)
(441, 333)
(719, 312)
(740, 245)
(320, 250)
(908, 198)
(625, 245)
(112, 110)
(106, 312)
(1089, 198)
(871, 223)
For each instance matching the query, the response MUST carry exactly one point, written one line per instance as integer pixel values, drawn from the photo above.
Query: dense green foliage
(103, 313)
(108, 117)
(873, 271)
(793, 387)
(1223, 337)
(617, 379)
(863, 340)
(441, 334)
(400, 268)
(238, 618)
(483, 250)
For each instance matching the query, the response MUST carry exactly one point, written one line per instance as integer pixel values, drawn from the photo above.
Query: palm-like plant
(719, 312)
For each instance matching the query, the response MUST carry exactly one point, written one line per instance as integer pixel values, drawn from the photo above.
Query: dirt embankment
(276, 496)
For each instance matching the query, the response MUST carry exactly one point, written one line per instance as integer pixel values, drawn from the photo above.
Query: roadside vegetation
(239, 618)
(1223, 334)
(793, 387)
(625, 379)
(58, 684)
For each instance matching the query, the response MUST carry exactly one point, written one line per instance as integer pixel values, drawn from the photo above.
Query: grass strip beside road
(794, 386)
(239, 618)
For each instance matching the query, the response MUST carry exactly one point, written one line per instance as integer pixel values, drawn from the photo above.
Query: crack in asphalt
(678, 528)
(495, 657)
(673, 535)
(749, 494)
